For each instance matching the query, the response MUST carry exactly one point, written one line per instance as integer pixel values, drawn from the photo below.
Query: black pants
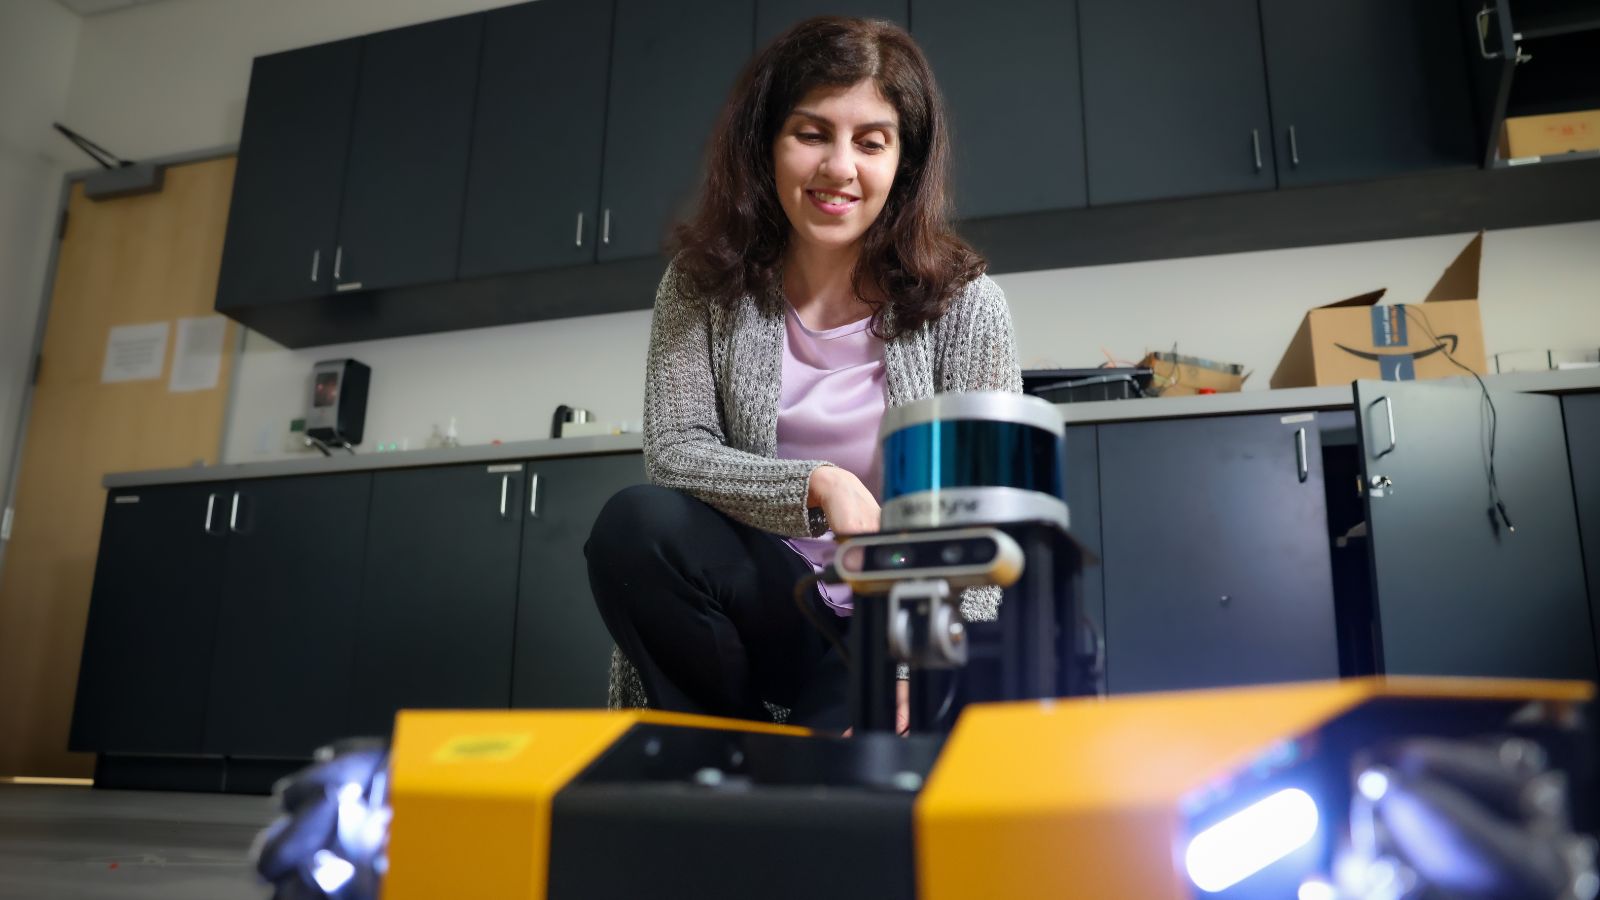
(704, 607)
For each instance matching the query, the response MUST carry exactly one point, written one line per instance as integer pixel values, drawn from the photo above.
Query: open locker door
(1456, 591)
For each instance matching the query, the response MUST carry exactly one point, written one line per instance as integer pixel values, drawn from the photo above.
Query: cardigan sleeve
(684, 441)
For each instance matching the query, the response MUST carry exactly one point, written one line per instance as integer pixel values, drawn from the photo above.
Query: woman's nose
(838, 166)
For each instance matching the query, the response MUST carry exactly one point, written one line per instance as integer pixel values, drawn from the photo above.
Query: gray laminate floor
(74, 843)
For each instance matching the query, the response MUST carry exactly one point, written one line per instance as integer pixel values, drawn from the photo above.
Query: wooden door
(144, 259)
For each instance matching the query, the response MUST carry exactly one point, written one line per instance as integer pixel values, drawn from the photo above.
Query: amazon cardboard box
(1358, 338)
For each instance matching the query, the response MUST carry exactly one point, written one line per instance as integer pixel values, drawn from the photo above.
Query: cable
(1497, 503)
(803, 603)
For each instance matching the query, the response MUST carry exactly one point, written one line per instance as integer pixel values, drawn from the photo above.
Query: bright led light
(1251, 839)
(1317, 890)
(330, 872)
(1373, 784)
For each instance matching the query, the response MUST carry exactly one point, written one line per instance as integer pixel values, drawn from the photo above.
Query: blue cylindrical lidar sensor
(973, 458)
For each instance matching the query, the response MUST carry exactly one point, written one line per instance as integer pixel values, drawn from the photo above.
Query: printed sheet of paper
(197, 359)
(135, 353)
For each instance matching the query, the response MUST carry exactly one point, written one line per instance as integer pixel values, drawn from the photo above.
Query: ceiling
(95, 7)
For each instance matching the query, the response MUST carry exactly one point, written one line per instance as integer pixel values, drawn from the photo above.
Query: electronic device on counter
(337, 414)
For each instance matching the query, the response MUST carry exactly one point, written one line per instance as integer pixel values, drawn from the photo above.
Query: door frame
(19, 441)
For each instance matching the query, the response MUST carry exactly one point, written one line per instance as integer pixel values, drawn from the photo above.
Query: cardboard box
(1356, 338)
(1181, 376)
(1551, 135)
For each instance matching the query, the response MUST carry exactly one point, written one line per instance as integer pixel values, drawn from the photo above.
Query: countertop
(1314, 398)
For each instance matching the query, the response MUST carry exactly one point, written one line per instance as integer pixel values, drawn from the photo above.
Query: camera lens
(952, 553)
(893, 557)
(981, 550)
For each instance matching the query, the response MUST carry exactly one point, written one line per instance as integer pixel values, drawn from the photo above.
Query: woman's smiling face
(834, 162)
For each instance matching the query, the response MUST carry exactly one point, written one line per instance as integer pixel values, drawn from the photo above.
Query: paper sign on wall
(197, 358)
(135, 353)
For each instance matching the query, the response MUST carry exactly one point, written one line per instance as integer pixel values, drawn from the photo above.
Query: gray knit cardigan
(712, 383)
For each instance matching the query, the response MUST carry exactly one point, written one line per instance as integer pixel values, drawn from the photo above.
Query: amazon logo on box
(1357, 338)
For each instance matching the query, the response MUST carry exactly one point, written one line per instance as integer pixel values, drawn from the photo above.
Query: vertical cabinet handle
(233, 514)
(605, 227)
(211, 505)
(578, 240)
(316, 262)
(1394, 441)
(338, 261)
(533, 494)
(1300, 454)
(1294, 149)
(505, 488)
(1255, 143)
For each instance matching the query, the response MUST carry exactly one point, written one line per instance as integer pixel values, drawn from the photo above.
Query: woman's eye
(871, 146)
(809, 136)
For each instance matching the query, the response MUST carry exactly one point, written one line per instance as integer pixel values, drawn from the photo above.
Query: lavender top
(829, 408)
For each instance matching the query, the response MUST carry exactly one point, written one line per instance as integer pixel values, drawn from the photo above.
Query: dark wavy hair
(734, 242)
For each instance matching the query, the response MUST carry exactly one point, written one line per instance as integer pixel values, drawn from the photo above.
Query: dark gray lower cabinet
(1582, 415)
(439, 595)
(152, 620)
(1083, 504)
(285, 645)
(563, 651)
(1458, 593)
(1215, 550)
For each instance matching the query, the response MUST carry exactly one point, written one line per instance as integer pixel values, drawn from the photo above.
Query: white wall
(37, 41)
(171, 77)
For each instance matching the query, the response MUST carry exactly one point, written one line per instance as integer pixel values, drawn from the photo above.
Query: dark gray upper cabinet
(1016, 117)
(563, 651)
(1457, 593)
(291, 586)
(283, 224)
(533, 186)
(1175, 99)
(439, 597)
(672, 68)
(146, 666)
(773, 17)
(403, 193)
(1366, 88)
(1214, 541)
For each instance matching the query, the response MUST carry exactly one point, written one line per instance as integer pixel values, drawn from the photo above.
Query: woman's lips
(829, 207)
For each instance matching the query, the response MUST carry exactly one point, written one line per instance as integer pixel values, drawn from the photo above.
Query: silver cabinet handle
(533, 492)
(211, 504)
(316, 262)
(1255, 143)
(605, 227)
(338, 261)
(1300, 454)
(1394, 441)
(1294, 149)
(578, 240)
(233, 514)
(1483, 33)
(505, 487)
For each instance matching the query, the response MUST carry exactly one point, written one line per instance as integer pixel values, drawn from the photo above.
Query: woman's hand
(849, 506)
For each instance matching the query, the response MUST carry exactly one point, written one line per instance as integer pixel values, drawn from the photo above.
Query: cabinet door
(672, 66)
(147, 648)
(1366, 88)
(774, 17)
(401, 220)
(1083, 505)
(1175, 99)
(1014, 151)
(1582, 415)
(286, 634)
(533, 186)
(563, 651)
(1456, 593)
(439, 595)
(283, 224)
(1215, 548)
